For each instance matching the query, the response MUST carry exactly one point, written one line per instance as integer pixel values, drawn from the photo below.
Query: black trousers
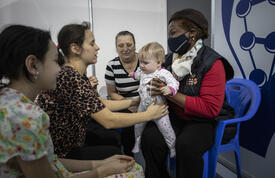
(128, 137)
(93, 152)
(193, 139)
(100, 143)
(97, 135)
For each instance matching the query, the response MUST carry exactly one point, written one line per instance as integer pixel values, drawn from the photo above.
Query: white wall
(47, 14)
(146, 19)
(260, 21)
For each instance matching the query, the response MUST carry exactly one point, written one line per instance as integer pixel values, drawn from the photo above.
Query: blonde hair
(152, 50)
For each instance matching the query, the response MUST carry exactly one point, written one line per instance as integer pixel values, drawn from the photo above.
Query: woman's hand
(157, 85)
(93, 80)
(135, 101)
(157, 110)
(116, 164)
(117, 157)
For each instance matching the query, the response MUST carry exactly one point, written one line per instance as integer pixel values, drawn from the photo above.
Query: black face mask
(179, 44)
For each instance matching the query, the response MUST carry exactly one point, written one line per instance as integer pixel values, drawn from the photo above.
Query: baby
(151, 56)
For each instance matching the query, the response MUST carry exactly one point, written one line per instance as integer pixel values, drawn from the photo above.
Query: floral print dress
(24, 133)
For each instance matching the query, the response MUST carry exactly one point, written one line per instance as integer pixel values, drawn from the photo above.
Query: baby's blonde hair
(152, 50)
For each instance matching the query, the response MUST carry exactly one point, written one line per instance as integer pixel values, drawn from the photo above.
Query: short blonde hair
(152, 50)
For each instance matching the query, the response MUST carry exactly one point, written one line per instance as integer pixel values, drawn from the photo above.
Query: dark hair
(72, 33)
(124, 33)
(17, 42)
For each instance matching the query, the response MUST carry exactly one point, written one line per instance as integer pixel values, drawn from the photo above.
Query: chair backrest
(244, 96)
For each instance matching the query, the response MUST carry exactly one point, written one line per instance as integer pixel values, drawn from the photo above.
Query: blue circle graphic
(258, 76)
(243, 8)
(247, 41)
(269, 43)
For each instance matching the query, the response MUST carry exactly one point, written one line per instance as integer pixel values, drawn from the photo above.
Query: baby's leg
(138, 132)
(168, 133)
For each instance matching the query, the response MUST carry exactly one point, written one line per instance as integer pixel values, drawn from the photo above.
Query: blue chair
(245, 97)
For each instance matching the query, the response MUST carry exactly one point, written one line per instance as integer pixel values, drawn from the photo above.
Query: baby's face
(149, 65)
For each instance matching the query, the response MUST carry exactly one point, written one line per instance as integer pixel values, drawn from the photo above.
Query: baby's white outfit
(146, 99)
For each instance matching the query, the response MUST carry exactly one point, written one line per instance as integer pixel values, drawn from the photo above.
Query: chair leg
(238, 162)
(213, 157)
(205, 165)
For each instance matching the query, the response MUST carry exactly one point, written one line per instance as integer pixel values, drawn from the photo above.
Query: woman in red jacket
(202, 74)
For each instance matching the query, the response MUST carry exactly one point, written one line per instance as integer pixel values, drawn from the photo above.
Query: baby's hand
(93, 80)
(166, 91)
(131, 74)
